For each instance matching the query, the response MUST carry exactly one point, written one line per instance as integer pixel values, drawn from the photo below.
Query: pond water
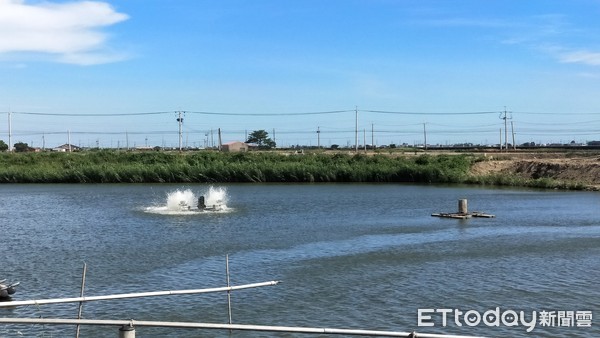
(357, 256)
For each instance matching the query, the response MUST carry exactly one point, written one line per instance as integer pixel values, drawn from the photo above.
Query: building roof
(67, 146)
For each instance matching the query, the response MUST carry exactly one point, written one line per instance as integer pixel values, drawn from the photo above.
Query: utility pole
(505, 118)
(425, 135)
(180, 121)
(9, 133)
(318, 138)
(220, 140)
(356, 129)
(274, 138)
(372, 136)
(512, 130)
(365, 139)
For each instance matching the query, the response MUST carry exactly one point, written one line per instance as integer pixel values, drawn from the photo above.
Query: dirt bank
(584, 170)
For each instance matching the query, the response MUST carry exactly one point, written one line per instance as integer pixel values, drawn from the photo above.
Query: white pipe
(228, 284)
(294, 329)
(80, 310)
(133, 295)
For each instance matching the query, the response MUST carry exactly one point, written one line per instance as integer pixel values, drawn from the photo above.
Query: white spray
(178, 201)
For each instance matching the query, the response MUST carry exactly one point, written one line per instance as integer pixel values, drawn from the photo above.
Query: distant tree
(21, 147)
(335, 146)
(3, 146)
(261, 138)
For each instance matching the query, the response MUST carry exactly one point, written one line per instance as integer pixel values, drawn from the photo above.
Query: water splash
(216, 196)
(177, 197)
(185, 202)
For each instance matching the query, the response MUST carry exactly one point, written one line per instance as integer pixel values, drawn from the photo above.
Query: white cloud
(69, 31)
(584, 57)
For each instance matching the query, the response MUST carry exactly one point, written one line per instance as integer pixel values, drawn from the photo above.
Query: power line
(332, 127)
(545, 113)
(294, 114)
(537, 123)
(425, 113)
(90, 115)
(271, 114)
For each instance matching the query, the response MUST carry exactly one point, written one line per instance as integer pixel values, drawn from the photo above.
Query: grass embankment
(213, 167)
(150, 167)
(510, 180)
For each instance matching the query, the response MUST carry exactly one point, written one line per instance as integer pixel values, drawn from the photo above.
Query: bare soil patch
(584, 170)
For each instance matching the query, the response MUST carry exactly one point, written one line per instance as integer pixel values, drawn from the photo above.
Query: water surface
(349, 255)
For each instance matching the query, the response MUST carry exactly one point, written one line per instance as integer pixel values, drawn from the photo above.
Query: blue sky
(263, 64)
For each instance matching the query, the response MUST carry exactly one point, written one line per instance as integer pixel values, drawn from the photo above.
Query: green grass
(150, 167)
(515, 181)
(107, 166)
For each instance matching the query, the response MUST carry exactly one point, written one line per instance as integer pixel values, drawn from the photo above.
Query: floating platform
(462, 212)
(463, 215)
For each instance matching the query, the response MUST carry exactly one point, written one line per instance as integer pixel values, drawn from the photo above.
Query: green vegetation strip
(212, 167)
(106, 166)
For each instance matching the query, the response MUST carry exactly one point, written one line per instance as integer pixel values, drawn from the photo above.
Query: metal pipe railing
(133, 295)
(213, 326)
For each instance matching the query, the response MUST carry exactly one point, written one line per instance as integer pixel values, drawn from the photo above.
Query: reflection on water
(350, 256)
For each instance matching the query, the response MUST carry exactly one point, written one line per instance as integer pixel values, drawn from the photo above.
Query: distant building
(67, 147)
(144, 148)
(235, 146)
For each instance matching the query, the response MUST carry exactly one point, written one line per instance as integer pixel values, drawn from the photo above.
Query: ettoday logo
(497, 317)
